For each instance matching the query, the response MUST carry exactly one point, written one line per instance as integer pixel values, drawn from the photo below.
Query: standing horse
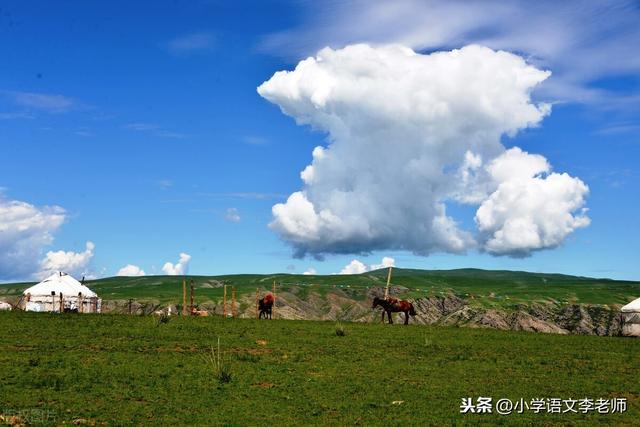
(265, 305)
(394, 305)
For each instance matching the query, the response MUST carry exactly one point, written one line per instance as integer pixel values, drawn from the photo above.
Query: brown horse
(394, 305)
(265, 306)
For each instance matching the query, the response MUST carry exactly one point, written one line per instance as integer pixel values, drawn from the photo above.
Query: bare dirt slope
(338, 305)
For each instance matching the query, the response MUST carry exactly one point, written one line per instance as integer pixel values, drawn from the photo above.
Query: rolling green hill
(478, 298)
(482, 287)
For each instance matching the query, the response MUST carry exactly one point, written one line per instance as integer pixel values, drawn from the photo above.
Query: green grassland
(487, 288)
(135, 370)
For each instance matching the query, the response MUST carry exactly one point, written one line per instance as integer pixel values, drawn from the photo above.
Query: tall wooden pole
(224, 302)
(191, 306)
(184, 297)
(257, 304)
(234, 311)
(386, 291)
(273, 292)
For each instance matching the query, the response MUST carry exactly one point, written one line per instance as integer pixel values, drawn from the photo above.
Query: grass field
(134, 370)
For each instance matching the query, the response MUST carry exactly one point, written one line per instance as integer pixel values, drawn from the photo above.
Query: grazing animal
(265, 306)
(394, 305)
(199, 313)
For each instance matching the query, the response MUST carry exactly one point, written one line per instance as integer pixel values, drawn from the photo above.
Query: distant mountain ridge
(463, 272)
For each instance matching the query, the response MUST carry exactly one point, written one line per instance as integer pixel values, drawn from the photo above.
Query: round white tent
(61, 292)
(631, 315)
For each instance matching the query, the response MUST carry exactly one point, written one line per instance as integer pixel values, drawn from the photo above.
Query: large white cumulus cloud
(25, 230)
(407, 133)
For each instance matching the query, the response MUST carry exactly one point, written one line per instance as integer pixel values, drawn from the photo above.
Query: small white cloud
(74, 263)
(232, 215)
(131, 270)
(180, 268)
(386, 263)
(358, 267)
(191, 43)
(15, 115)
(50, 103)
(613, 129)
(354, 267)
(255, 195)
(154, 129)
(310, 272)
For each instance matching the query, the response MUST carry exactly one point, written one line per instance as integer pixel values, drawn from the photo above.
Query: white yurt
(5, 306)
(60, 292)
(631, 319)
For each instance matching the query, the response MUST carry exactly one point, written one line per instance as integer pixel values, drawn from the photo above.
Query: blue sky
(143, 123)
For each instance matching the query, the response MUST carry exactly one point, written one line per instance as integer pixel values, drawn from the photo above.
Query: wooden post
(53, 301)
(234, 311)
(20, 301)
(386, 291)
(130, 302)
(191, 305)
(224, 302)
(257, 304)
(273, 292)
(184, 297)
(61, 303)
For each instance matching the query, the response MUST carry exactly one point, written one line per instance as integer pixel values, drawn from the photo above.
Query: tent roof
(633, 306)
(60, 282)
